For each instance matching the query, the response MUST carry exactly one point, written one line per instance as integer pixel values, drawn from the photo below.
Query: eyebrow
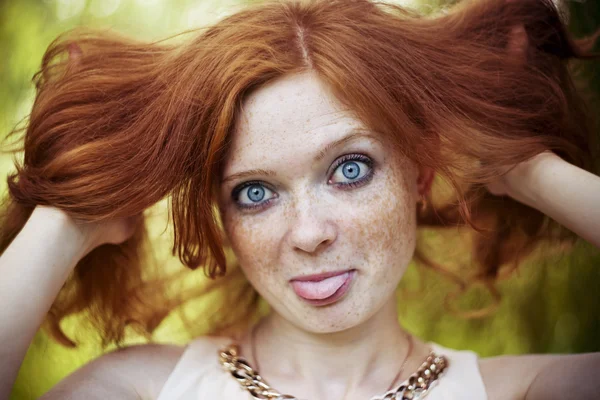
(353, 135)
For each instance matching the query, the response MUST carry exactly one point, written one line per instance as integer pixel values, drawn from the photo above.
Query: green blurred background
(549, 306)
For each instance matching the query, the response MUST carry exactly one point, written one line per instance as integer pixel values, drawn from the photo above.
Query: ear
(425, 180)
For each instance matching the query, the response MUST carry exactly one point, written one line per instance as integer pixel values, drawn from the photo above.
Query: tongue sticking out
(318, 290)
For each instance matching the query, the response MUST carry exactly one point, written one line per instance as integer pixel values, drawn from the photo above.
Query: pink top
(198, 375)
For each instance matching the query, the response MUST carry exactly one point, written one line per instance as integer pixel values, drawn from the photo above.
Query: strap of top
(199, 359)
(462, 380)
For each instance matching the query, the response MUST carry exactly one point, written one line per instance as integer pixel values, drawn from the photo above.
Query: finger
(75, 54)
(517, 44)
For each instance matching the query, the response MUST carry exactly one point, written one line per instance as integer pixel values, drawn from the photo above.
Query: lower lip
(335, 296)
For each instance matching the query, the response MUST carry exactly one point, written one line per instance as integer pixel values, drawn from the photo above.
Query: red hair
(125, 124)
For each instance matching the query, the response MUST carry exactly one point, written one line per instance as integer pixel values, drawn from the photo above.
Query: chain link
(416, 387)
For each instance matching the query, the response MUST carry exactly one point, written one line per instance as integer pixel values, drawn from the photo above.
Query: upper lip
(319, 277)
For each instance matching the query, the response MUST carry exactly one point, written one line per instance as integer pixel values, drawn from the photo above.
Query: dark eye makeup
(351, 169)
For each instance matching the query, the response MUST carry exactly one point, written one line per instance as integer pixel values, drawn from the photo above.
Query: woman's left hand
(512, 180)
(566, 193)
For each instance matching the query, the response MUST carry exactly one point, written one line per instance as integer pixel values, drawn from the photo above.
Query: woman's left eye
(352, 170)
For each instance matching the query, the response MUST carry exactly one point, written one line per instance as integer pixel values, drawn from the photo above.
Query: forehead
(294, 113)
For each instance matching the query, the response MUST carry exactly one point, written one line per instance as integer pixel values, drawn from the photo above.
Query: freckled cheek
(386, 233)
(252, 243)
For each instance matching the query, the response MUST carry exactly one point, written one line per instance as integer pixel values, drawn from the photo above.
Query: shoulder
(134, 372)
(202, 353)
(496, 372)
(210, 343)
(535, 376)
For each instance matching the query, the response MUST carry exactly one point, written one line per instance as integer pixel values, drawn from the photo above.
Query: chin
(327, 326)
(335, 318)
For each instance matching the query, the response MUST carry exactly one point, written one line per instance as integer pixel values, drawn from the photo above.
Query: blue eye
(353, 167)
(251, 195)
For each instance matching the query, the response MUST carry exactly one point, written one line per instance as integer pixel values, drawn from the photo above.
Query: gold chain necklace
(416, 387)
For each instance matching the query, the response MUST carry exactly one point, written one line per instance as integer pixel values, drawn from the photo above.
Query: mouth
(323, 289)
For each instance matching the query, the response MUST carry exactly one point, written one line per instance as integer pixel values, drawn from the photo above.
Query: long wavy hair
(118, 125)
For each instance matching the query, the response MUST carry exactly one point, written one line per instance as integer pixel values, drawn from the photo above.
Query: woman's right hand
(95, 234)
(39, 260)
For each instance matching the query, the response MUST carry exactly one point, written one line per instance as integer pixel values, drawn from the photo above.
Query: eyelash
(344, 186)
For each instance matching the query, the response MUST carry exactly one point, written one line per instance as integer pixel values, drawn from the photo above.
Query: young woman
(305, 138)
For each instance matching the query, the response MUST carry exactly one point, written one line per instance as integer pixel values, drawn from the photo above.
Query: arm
(564, 192)
(33, 268)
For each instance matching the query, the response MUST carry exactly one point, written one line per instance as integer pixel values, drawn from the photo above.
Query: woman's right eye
(251, 195)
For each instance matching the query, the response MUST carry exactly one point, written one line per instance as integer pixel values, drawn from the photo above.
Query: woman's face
(306, 192)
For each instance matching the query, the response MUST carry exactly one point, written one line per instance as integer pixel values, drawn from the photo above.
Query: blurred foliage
(550, 306)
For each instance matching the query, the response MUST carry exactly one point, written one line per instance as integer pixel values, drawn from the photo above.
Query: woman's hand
(512, 181)
(38, 261)
(94, 234)
(115, 231)
(564, 192)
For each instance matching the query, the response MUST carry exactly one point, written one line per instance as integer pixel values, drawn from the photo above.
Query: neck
(357, 359)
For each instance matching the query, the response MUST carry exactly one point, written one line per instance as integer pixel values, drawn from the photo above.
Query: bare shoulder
(508, 377)
(134, 372)
(537, 376)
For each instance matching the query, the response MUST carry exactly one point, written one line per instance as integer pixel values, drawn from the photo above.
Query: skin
(311, 226)
(307, 224)
(348, 350)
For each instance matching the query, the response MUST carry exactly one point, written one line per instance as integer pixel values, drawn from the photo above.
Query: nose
(312, 228)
